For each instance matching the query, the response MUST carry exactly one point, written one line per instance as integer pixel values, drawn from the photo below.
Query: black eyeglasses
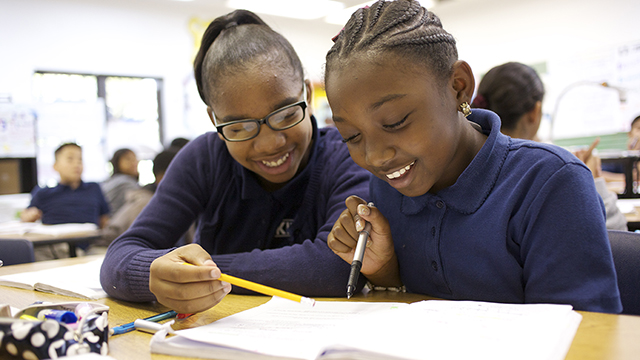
(281, 119)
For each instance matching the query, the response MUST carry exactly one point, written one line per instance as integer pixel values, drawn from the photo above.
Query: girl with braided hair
(264, 191)
(461, 211)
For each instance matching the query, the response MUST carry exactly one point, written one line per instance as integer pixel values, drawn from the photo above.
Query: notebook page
(283, 327)
(82, 280)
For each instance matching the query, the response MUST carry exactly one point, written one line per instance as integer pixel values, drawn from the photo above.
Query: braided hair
(402, 26)
(510, 90)
(233, 42)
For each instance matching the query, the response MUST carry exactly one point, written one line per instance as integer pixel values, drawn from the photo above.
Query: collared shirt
(62, 204)
(274, 238)
(522, 224)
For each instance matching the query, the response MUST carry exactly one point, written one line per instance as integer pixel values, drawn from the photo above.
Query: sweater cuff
(224, 262)
(139, 270)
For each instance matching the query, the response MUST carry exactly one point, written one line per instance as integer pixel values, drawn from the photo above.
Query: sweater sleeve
(310, 268)
(173, 208)
(615, 218)
(566, 240)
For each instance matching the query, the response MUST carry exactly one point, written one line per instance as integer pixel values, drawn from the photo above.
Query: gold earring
(465, 109)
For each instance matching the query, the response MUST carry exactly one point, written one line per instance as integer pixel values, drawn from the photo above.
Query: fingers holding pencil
(187, 289)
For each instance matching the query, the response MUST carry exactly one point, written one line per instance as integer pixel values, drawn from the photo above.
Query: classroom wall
(116, 37)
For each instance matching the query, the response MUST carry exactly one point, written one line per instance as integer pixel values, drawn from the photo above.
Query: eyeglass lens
(279, 120)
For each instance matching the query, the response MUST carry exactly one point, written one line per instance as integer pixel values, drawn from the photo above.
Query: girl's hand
(184, 288)
(380, 264)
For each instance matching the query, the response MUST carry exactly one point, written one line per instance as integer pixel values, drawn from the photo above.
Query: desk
(628, 160)
(600, 336)
(45, 239)
(631, 210)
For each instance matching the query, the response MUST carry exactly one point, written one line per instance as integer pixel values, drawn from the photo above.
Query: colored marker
(131, 326)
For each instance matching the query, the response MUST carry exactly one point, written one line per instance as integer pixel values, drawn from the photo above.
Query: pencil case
(47, 330)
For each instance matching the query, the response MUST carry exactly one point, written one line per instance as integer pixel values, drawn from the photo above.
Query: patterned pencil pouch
(50, 331)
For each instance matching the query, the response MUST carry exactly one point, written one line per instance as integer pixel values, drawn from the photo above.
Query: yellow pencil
(263, 289)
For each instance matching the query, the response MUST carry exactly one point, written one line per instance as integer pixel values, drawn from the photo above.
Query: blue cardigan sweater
(277, 239)
(522, 224)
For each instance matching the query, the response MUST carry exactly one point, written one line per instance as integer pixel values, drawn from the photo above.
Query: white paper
(82, 280)
(266, 328)
(350, 330)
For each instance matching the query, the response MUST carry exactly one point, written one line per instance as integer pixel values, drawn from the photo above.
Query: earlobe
(463, 81)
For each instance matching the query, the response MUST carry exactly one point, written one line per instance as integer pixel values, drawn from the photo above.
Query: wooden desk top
(600, 336)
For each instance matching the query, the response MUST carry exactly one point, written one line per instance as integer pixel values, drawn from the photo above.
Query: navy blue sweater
(522, 224)
(273, 238)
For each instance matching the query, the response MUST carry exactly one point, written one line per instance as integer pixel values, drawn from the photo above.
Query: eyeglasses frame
(264, 120)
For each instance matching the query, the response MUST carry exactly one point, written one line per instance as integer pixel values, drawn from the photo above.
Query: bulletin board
(17, 131)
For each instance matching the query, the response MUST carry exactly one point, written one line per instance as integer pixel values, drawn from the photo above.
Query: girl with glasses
(264, 190)
(461, 210)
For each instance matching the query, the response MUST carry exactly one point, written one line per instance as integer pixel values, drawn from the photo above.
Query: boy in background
(72, 200)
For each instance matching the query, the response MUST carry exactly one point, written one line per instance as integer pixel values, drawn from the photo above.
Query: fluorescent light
(341, 17)
(297, 9)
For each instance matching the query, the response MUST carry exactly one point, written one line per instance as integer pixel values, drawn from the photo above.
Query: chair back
(625, 247)
(16, 251)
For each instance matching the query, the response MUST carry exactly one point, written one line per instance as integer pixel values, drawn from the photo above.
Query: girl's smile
(402, 126)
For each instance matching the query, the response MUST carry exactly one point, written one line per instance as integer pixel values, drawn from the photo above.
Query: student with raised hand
(461, 210)
(264, 190)
(514, 91)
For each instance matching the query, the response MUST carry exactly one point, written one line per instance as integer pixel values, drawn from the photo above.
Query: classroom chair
(16, 251)
(625, 246)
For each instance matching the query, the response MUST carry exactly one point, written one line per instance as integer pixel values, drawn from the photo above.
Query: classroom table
(49, 239)
(628, 160)
(631, 210)
(599, 336)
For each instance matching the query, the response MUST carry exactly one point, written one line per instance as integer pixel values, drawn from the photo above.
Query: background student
(71, 201)
(124, 178)
(514, 91)
(264, 193)
(136, 200)
(461, 210)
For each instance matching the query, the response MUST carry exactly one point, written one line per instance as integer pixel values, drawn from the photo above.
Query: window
(102, 113)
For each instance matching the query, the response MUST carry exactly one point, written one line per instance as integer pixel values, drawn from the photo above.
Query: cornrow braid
(401, 26)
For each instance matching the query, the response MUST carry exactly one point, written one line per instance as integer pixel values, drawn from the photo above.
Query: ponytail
(234, 40)
(236, 18)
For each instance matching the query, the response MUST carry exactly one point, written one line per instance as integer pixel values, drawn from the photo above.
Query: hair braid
(355, 30)
(403, 27)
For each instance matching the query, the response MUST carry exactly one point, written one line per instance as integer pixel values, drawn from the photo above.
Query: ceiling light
(297, 9)
(341, 17)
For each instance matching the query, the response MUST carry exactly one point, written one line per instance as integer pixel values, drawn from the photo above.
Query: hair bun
(480, 102)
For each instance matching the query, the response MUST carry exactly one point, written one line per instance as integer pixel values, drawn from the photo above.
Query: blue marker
(130, 326)
(64, 316)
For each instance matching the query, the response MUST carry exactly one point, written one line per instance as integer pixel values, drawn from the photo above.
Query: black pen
(358, 255)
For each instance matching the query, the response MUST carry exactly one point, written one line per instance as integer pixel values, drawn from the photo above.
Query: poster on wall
(596, 93)
(17, 131)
